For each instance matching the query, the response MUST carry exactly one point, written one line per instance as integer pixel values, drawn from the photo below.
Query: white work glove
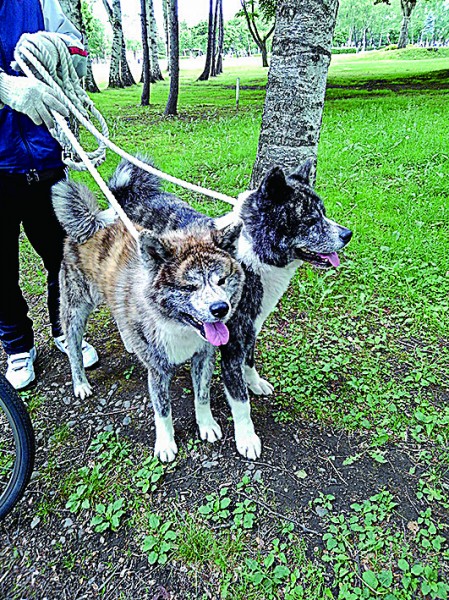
(31, 97)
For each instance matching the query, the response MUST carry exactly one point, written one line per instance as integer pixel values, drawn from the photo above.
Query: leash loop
(47, 59)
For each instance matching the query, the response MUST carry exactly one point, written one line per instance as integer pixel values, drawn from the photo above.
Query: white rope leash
(52, 52)
(96, 175)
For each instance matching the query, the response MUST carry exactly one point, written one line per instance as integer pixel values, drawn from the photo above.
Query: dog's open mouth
(318, 259)
(216, 334)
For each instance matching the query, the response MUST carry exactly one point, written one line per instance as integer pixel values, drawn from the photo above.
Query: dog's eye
(311, 222)
(189, 288)
(221, 281)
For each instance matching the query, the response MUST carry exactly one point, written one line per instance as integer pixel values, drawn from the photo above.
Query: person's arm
(55, 21)
(31, 97)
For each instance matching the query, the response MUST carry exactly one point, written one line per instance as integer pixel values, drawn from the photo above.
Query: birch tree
(210, 44)
(155, 70)
(72, 10)
(407, 7)
(145, 98)
(296, 86)
(119, 72)
(172, 102)
(250, 11)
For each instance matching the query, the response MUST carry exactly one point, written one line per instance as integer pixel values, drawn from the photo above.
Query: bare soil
(60, 557)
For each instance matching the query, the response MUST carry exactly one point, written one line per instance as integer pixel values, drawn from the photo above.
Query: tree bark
(407, 7)
(296, 86)
(145, 98)
(209, 56)
(172, 102)
(127, 76)
(155, 70)
(115, 80)
(220, 43)
(119, 71)
(166, 11)
(72, 10)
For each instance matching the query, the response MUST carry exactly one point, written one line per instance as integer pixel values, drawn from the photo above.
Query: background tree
(155, 70)
(172, 102)
(73, 10)
(296, 86)
(210, 44)
(95, 41)
(252, 16)
(218, 66)
(166, 13)
(407, 7)
(145, 98)
(119, 72)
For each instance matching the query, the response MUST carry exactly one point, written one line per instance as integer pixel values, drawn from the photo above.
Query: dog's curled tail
(77, 210)
(132, 186)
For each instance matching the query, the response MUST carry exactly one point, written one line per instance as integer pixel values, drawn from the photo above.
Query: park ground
(350, 497)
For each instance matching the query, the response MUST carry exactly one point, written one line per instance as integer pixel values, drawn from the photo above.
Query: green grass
(363, 349)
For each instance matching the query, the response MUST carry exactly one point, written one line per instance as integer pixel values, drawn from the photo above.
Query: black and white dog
(284, 225)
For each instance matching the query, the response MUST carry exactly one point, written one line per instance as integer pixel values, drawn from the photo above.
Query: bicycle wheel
(17, 447)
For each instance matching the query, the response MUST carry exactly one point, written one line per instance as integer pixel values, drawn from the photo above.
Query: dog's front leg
(246, 439)
(256, 383)
(159, 387)
(203, 363)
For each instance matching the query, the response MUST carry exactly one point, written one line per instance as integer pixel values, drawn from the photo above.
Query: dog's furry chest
(179, 344)
(275, 281)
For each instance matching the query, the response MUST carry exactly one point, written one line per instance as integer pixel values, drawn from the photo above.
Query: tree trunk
(210, 32)
(145, 99)
(127, 76)
(90, 83)
(115, 80)
(125, 71)
(172, 103)
(296, 86)
(406, 7)
(220, 43)
(264, 52)
(72, 10)
(166, 11)
(155, 70)
(260, 41)
(214, 41)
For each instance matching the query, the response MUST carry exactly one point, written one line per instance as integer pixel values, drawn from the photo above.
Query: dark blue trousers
(29, 204)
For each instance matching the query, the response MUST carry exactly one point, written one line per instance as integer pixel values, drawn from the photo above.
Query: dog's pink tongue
(216, 333)
(332, 258)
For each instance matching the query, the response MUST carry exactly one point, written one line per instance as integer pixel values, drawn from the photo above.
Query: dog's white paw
(262, 387)
(258, 385)
(210, 431)
(82, 390)
(166, 450)
(249, 446)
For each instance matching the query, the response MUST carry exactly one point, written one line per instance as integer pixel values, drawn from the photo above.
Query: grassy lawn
(350, 498)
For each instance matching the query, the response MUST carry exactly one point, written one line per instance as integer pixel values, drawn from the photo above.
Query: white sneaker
(90, 356)
(20, 371)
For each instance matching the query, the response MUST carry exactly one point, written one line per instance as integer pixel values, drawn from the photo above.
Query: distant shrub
(390, 47)
(344, 50)
(417, 53)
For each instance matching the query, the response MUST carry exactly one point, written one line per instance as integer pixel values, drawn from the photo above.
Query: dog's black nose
(346, 235)
(219, 309)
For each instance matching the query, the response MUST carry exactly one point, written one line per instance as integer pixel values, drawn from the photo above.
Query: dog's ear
(302, 173)
(274, 187)
(227, 238)
(151, 249)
